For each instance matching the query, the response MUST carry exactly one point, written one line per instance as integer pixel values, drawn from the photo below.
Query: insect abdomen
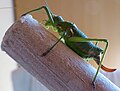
(84, 49)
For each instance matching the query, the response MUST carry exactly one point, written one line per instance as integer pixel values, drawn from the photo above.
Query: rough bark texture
(59, 70)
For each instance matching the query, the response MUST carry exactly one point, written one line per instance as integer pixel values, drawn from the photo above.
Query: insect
(75, 39)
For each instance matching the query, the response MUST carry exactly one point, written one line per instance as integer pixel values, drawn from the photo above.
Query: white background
(7, 65)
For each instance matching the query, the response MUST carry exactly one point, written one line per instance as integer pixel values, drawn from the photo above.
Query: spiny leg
(80, 39)
(101, 60)
(45, 53)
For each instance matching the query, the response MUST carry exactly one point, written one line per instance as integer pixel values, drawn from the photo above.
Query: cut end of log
(61, 69)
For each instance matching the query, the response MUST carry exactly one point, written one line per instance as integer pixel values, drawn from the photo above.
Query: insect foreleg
(80, 39)
(46, 8)
(45, 53)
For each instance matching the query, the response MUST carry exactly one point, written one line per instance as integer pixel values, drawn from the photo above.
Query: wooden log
(59, 70)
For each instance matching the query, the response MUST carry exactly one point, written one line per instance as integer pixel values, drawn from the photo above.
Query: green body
(86, 50)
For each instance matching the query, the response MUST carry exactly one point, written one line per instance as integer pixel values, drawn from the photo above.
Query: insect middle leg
(45, 53)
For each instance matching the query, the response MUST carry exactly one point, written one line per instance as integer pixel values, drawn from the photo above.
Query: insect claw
(45, 53)
(93, 84)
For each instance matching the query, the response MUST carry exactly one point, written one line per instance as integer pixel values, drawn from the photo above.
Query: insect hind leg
(80, 39)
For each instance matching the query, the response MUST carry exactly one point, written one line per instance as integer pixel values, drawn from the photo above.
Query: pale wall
(7, 64)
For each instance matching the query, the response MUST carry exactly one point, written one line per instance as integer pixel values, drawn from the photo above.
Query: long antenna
(48, 6)
(46, 3)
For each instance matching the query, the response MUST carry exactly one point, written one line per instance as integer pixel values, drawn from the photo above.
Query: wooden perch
(59, 70)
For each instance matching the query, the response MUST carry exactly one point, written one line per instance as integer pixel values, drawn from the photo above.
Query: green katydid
(75, 39)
